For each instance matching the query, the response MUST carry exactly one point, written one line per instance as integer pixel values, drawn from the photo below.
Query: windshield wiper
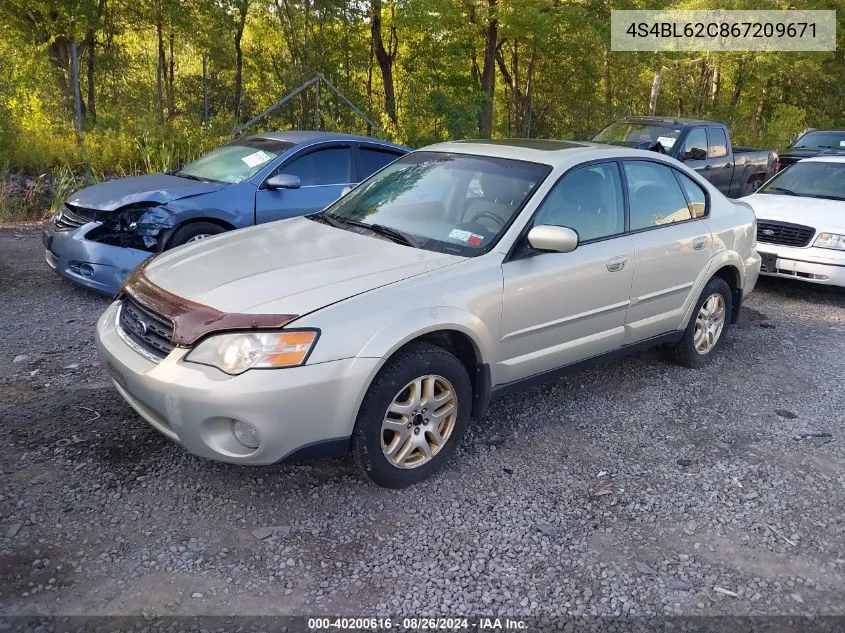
(378, 229)
(783, 190)
(822, 196)
(191, 177)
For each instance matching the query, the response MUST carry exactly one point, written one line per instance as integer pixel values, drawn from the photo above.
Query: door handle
(728, 165)
(707, 168)
(615, 264)
(699, 242)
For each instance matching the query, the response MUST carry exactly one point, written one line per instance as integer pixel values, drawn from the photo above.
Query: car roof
(543, 151)
(668, 120)
(824, 159)
(298, 137)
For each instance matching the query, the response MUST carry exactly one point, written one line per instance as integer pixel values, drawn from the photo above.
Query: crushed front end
(98, 249)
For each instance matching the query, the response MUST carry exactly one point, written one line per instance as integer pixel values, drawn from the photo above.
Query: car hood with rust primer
(293, 266)
(112, 195)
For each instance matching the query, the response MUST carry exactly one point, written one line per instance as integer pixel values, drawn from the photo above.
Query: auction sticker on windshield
(468, 237)
(256, 158)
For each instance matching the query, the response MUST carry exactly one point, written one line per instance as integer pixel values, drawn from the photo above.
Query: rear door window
(654, 195)
(370, 160)
(718, 143)
(695, 194)
(330, 166)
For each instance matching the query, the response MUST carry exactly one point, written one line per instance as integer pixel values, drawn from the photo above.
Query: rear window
(633, 134)
(822, 140)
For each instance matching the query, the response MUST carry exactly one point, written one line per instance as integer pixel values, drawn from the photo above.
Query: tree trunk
(384, 56)
(77, 95)
(171, 99)
(528, 99)
(160, 73)
(608, 85)
(740, 78)
(243, 8)
(761, 106)
(488, 71)
(655, 91)
(370, 87)
(90, 45)
(715, 85)
(205, 89)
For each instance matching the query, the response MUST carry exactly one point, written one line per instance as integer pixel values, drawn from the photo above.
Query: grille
(784, 233)
(147, 330)
(69, 218)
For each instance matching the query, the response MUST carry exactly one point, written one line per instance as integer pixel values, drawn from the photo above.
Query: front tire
(706, 328)
(413, 416)
(194, 232)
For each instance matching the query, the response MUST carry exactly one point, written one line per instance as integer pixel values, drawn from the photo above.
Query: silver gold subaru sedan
(386, 323)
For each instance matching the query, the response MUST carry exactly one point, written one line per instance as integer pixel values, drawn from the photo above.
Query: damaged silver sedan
(103, 232)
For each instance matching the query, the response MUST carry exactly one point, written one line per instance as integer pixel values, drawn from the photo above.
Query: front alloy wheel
(419, 421)
(412, 417)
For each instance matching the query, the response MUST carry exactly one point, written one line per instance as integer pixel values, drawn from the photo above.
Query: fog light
(245, 434)
(86, 270)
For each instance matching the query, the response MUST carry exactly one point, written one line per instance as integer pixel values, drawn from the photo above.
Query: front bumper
(95, 265)
(815, 265)
(295, 411)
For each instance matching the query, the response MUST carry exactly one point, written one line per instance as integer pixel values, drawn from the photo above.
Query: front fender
(409, 326)
(233, 205)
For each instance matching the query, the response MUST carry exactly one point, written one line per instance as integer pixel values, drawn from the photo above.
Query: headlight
(237, 352)
(830, 240)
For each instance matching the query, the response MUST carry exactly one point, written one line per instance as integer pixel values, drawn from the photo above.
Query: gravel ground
(638, 487)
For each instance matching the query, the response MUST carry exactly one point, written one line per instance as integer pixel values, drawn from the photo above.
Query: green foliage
(153, 104)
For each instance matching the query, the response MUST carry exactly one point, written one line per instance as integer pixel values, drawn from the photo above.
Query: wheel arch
(731, 275)
(225, 225)
(469, 344)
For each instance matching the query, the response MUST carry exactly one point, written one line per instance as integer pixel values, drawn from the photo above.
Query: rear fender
(718, 261)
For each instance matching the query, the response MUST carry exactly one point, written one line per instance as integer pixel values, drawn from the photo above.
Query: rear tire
(413, 416)
(192, 232)
(705, 331)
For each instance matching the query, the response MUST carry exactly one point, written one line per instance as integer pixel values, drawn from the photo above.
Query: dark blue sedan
(102, 232)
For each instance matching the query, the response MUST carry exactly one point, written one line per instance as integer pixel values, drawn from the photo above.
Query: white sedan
(801, 221)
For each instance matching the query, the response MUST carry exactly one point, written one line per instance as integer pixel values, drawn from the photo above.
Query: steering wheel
(499, 222)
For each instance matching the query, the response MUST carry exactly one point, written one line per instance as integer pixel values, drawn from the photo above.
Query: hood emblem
(140, 328)
(768, 232)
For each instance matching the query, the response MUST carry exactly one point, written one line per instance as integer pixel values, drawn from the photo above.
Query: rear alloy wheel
(709, 323)
(413, 416)
(705, 331)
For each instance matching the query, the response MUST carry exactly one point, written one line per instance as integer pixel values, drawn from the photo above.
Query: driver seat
(501, 195)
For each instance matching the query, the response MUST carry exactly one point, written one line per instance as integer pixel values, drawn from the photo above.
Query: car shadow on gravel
(81, 429)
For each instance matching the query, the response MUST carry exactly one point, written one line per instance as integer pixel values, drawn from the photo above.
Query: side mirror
(283, 181)
(558, 239)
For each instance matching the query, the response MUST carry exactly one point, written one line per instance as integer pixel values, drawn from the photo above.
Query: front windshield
(453, 203)
(632, 133)
(821, 140)
(236, 161)
(811, 179)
